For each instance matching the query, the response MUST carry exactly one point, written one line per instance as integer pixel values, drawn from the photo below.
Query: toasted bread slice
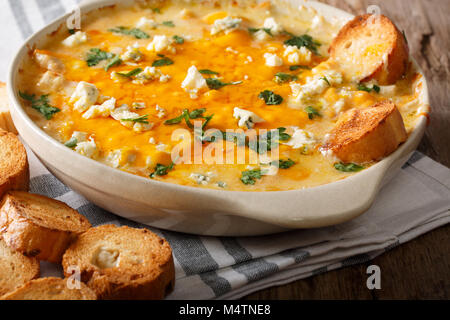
(364, 135)
(370, 47)
(121, 263)
(50, 289)
(14, 171)
(38, 226)
(15, 269)
(6, 122)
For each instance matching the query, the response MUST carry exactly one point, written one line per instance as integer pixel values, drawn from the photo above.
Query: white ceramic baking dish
(203, 211)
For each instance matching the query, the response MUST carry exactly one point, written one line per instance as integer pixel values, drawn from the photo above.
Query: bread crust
(6, 122)
(387, 66)
(140, 263)
(14, 170)
(15, 268)
(364, 135)
(38, 226)
(50, 289)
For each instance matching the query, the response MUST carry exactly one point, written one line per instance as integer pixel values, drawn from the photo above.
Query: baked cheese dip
(117, 90)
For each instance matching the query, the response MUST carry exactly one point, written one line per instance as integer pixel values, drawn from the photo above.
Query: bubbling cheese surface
(132, 69)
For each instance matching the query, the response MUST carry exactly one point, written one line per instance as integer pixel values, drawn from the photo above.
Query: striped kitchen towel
(417, 200)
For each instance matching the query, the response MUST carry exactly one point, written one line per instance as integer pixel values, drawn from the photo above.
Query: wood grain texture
(419, 269)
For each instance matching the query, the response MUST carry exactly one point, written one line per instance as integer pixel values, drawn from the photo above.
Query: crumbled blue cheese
(85, 95)
(314, 86)
(301, 139)
(194, 82)
(119, 158)
(145, 23)
(160, 43)
(87, 148)
(274, 27)
(104, 110)
(138, 105)
(247, 119)
(338, 106)
(272, 60)
(132, 54)
(202, 179)
(226, 24)
(149, 74)
(124, 112)
(50, 81)
(295, 55)
(261, 35)
(49, 63)
(77, 38)
(161, 112)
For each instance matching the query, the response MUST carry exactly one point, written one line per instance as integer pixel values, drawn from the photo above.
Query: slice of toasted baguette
(121, 263)
(370, 47)
(6, 122)
(364, 135)
(15, 269)
(38, 226)
(51, 289)
(14, 172)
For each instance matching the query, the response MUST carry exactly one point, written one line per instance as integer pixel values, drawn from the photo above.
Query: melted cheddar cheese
(243, 43)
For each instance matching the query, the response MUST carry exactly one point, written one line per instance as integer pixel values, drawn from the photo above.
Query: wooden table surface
(419, 269)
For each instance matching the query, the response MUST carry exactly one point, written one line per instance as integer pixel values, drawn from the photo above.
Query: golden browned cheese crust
(38, 226)
(15, 268)
(14, 171)
(364, 135)
(50, 289)
(123, 263)
(372, 48)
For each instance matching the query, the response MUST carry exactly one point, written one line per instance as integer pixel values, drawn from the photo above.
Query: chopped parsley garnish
(187, 116)
(266, 30)
(283, 136)
(40, 104)
(162, 170)
(326, 80)
(303, 41)
(216, 84)
(296, 67)
(141, 119)
(71, 31)
(281, 77)
(135, 32)
(169, 24)
(207, 71)
(249, 177)
(115, 61)
(270, 98)
(156, 10)
(283, 164)
(178, 39)
(95, 56)
(130, 74)
(164, 61)
(72, 143)
(312, 112)
(362, 87)
(348, 167)
(268, 140)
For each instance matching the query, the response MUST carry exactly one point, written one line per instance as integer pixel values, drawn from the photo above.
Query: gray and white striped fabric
(415, 202)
